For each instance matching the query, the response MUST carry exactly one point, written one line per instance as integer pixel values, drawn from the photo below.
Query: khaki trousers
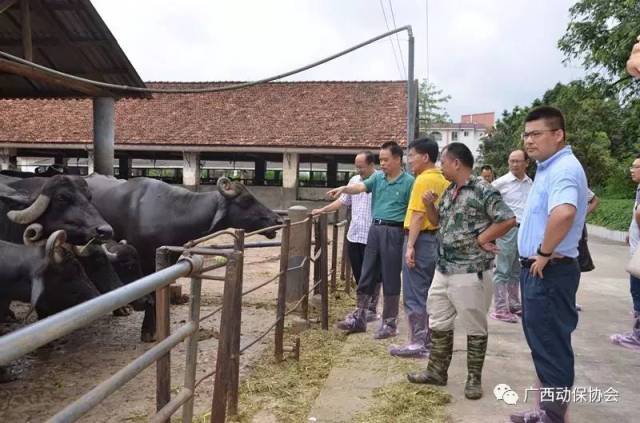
(465, 295)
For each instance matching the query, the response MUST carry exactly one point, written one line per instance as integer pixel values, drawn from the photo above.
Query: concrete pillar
(259, 171)
(8, 159)
(90, 162)
(191, 170)
(104, 109)
(332, 173)
(60, 159)
(290, 163)
(125, 163)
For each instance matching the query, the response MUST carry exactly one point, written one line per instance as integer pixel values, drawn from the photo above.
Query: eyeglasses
(516, 161)
(536, 134)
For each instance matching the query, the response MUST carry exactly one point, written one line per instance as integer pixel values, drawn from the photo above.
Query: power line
(393, 18)
(393, 47)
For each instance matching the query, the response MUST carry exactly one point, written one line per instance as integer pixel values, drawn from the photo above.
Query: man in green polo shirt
(390, 190)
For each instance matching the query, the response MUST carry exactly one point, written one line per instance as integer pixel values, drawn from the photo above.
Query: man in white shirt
(514, 188)
(360, 221)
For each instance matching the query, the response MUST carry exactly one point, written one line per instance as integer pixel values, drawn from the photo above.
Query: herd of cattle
(66, 239)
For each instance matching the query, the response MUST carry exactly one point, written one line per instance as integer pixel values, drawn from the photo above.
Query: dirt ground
(57, 374)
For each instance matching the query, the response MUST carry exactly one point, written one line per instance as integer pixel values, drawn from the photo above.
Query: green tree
(600, 35)
(431, 105)
(506, 137)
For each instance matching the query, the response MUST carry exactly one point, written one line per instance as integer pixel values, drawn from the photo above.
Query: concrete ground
(610, 375)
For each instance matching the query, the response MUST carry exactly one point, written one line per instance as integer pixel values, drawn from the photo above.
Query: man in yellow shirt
(420, 249)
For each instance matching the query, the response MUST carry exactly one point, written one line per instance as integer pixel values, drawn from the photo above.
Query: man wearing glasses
(514, 188)
(550, 229)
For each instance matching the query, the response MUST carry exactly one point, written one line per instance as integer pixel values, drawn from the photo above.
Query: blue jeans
(635, 293)
(416, 281)
(549, 316)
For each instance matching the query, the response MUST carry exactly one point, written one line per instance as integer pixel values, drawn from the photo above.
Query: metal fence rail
(297, 253)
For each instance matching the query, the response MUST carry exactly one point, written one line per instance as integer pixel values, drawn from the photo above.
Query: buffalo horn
(31, 213)
(53, 242)
(111, 256)
(223, 187)
(32, 234)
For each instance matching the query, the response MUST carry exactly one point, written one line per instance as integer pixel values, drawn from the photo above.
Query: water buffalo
(49, 277)
(149, 214)
(61, 202)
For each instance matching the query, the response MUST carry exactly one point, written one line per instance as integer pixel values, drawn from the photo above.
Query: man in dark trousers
(383, 254)
(550, 229)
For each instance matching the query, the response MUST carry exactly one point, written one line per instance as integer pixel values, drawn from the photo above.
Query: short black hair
(368, 156)
(551, 115)
(461, 152)
(426, 145)
(486, 167)
(393, 147)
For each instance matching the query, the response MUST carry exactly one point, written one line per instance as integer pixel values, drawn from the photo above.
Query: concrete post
(90, 162)
(124, 167)
(290, 162)
(8, 159)
(60, 159)
(259, 172)
(104, 112)
(332, 173)
(191, 170)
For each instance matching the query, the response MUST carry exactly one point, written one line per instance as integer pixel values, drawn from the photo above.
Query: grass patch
(612, 214)
(403, 402)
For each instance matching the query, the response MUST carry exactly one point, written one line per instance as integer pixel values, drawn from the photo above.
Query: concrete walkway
(604, 296)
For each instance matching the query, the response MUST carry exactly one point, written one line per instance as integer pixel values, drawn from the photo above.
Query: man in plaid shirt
(360, 221)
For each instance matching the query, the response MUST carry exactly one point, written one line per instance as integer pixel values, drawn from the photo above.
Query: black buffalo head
(61, 203)
(244, 211)
(61, 282)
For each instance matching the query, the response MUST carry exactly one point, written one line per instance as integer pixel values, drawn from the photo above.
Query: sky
(487, 55)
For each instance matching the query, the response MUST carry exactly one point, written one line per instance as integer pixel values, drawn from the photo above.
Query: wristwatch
(541, 254)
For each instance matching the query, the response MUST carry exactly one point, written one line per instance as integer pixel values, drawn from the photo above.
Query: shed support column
(103, 134)
(290, 163)
(90, 162)
(259, 171)
(332, 173)
(124, 167)
(8, 159)
(191, 170)
(60, 159)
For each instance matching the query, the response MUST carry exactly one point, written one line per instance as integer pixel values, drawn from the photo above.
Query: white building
(467, 133)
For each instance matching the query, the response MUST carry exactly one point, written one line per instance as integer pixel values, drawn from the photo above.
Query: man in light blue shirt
(550, 229)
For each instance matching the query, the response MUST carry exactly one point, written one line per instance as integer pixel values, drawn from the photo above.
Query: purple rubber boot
(631, 339)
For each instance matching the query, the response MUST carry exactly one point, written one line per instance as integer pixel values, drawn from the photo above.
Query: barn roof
(68, 36)
(319, 114)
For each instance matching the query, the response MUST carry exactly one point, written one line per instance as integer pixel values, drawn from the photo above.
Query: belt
(424, 231)
(387, 222)
(527, 262)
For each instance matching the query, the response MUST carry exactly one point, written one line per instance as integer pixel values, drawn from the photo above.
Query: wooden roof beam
(5, 4)
(37, 75)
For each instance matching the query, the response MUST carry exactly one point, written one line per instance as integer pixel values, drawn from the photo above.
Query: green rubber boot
(439, 360)
(476, 350)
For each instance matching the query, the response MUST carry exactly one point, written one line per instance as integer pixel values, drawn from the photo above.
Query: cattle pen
(305, 240)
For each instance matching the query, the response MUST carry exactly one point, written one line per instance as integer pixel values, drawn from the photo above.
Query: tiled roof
(283, 114)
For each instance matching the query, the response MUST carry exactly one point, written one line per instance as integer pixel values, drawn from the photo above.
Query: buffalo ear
(14, 200)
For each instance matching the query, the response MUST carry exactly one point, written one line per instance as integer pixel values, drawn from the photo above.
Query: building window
(454, 136)
(466, 133)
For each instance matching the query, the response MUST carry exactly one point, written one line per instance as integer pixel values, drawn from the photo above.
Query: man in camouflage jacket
(471, 216)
